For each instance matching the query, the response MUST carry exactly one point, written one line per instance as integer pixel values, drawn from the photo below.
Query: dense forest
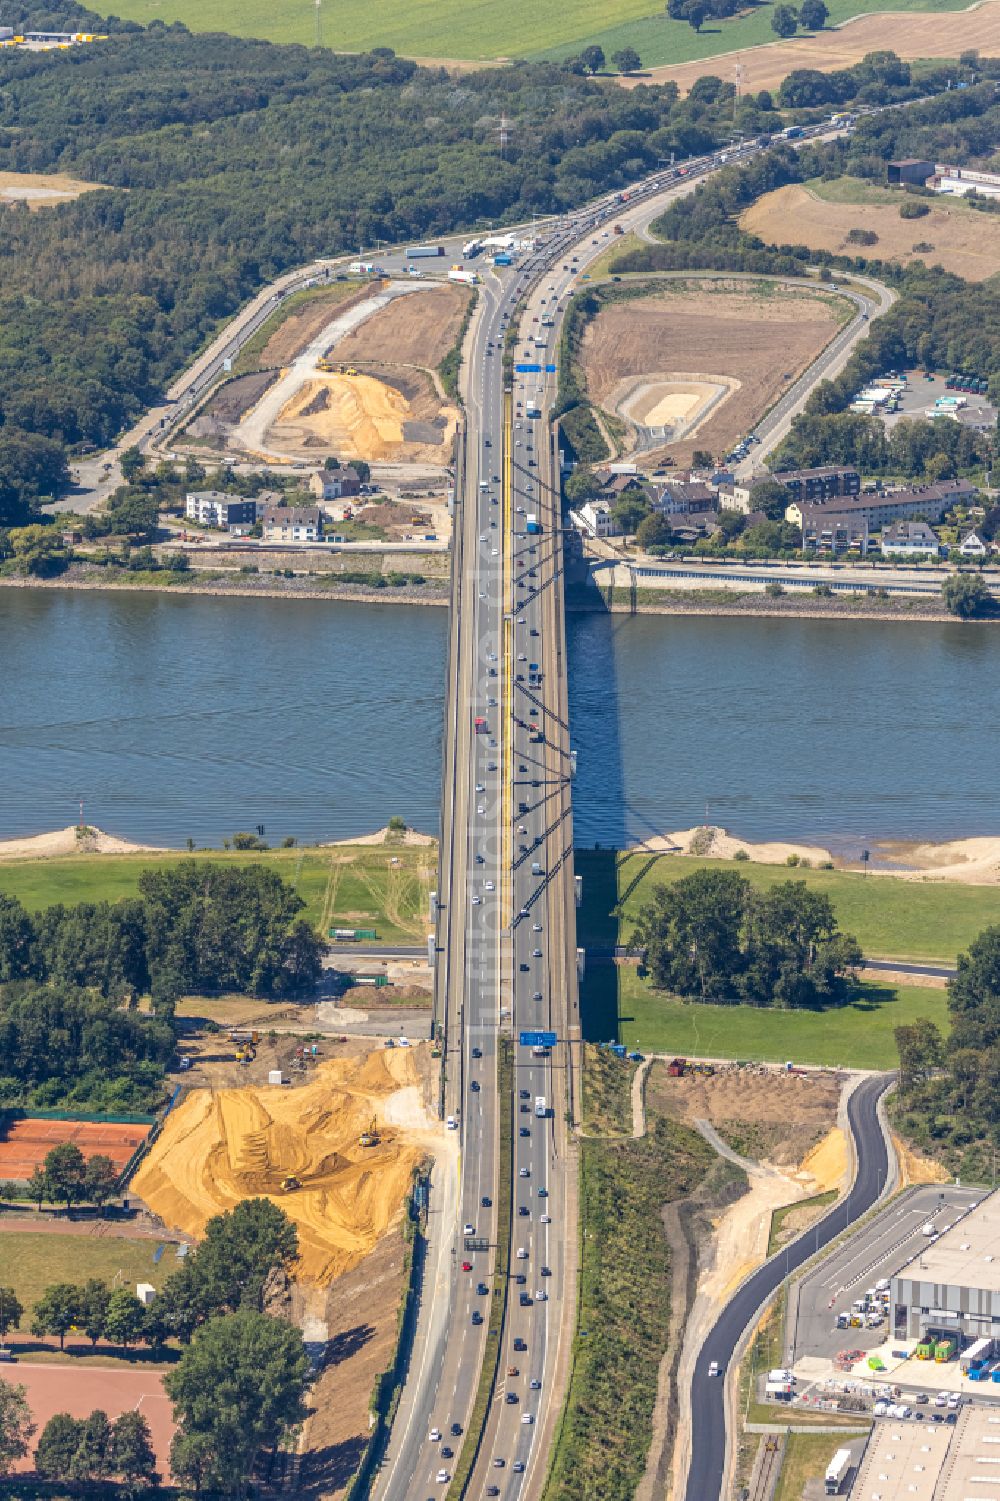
(947, 1085)
(227, 161)
(70, 977)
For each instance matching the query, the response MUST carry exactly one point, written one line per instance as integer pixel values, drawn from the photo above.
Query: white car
(546, 1219)
(443, 1477)
(541, 1297)
(940, 1400)
(536, 927)
(476, 900)
(495, 552)
(526, 1417)
(469, 1230)
(523, 1172)
(480, 786)
(480, 810)
(491, 886)
(713, 1369)
(434, 1435)
(452, 1123)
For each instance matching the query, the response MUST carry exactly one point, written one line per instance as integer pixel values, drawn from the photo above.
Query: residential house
(596, 519)
(335, 484)
(293, 524)
(813, 486)
(827, 530)
(216, 508)
(880, 508)
(973, 545)
(683, 499)
(910, 539)
(694, 524)
(613, 486)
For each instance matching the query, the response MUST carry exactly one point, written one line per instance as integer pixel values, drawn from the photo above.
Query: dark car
(486, 1201)
(523, 1210)
(456, 1429)
(526, 1300)
(477, 1317)
(520, 1346)
(477, 1052)
(483, 1290)
(447, 1452)
(511, 1398)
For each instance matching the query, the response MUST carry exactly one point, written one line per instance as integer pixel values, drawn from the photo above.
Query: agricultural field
(385, 887)
(703, 360)
(460, 31)
(822, 214)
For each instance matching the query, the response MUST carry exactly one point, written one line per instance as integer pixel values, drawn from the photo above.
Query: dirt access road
(752, 342)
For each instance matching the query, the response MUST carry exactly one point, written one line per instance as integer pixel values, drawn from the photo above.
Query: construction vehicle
(326, 365)
(290, 1184)
(370, 1138)
(245, 1043)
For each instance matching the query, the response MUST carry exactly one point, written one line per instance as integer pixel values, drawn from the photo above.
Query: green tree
(629, 510)
(95, 1296)
(241, 1384)
(362, 469)
(965, 594)
(57, 1311)
(654, 530)
(691, 930)
(940, 466)
(17, 941)
(921, 1052)
(132, 465)
(31, 467)
(583, 485)
(593, 59)
(65, 1169)
(784, 22)
(813, 15)
(702, 459)
(92, 1459)
(11, 1311)
(771, 497)
(57, 1447)
(16, 1426)
(38, 1188)
(974, 994)
(627, 60)
(696, 14)
(100, 1180)
(192, 1457)
(132, 1459)
(125, 1318)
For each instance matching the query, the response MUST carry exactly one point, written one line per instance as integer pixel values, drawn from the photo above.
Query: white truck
(541, 1107)
(836, 1471)
(468, 278)
(361, 268)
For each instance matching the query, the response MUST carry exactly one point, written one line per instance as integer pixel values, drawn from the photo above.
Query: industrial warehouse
(918, 1462)
(951, 1286)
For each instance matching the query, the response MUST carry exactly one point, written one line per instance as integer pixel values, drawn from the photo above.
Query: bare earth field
(410, 331)
(782, 1115)
(721, 335)
(360, 1318)
(909, 34)
(309, 319)
(964, 241)
(41, 189)
(221, 1146)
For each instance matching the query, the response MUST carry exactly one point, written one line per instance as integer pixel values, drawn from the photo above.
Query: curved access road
(706, 1474)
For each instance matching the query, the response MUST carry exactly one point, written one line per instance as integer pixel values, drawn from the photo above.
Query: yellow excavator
(289, 1184)
(370, 1138)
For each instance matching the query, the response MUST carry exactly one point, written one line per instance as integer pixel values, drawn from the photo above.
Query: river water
(176, 717)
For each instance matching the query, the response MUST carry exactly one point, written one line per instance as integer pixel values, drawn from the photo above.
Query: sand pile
(220, 1147)
(360, 416)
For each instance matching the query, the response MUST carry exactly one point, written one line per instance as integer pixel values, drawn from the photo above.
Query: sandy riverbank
(762, 607)
(973, 862)
(91, 841)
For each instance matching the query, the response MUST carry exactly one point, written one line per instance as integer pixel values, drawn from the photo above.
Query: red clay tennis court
(24, 1143)
(78, 1390)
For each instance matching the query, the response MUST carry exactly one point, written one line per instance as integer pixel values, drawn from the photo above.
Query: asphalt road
(708, 1410)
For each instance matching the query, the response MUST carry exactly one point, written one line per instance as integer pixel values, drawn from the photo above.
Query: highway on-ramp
(708, 1444)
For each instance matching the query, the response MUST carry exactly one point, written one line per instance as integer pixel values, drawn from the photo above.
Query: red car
(466, 1266)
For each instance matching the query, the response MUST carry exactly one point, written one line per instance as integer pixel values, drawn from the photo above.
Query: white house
(596, 518)
(910, 539)
(973, 545)
(293, 524)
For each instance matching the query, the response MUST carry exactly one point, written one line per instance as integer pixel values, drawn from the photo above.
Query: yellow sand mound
(355, 413)
(219, 1148)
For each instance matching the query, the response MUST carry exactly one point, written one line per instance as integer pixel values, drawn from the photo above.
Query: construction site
(337, 1150)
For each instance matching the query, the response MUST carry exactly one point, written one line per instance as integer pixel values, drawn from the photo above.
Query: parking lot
(920, 395)
(874, 1254)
